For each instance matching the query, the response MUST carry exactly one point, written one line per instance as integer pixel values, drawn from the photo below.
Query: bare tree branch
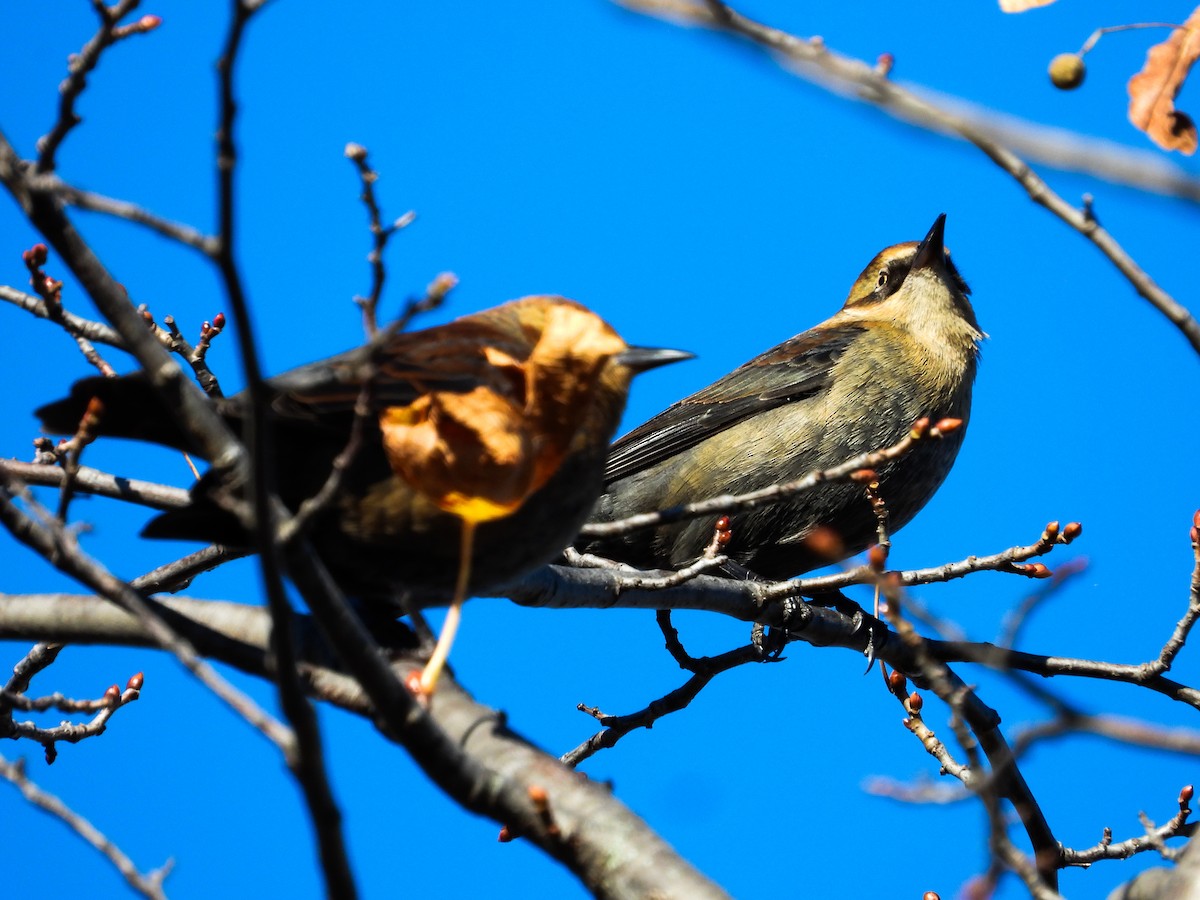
(97, 332)
(57, 544)
(466, 748)
(81, 65)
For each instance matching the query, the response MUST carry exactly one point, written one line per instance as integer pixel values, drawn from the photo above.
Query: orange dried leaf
(470, 453)
(1152, 91)
(480, 454)
(1013, 6)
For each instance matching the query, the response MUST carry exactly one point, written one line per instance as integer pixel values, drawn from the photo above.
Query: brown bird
(904, 346)
(503, 417)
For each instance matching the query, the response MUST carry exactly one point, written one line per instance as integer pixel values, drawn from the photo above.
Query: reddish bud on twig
(919, 429)
(897, 683)
(1051, 531)
(538, 795)
(1036, 570)
(1185, 795)
(90, 423)
(1194, 533)
(135, 682)
(884, 63)
(863, 476)
(1196, 518)
(1070, 532)
(877, 557)
(412, 681)
(931, 895)
(149, 23)
(35, 257)
(113, 694)
(915, 702)
(505, 835)
(947, 426)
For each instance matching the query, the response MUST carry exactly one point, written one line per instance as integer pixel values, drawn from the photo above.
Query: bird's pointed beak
(931, 250)
(643, 359)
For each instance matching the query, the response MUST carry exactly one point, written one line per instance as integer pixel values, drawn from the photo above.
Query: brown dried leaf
(480, 454)
(1014, 6)
(1152, 91)
(470, 453)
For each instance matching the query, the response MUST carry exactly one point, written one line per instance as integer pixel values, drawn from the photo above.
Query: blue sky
(697, 196)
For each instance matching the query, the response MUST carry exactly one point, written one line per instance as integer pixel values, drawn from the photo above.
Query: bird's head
(917, 286)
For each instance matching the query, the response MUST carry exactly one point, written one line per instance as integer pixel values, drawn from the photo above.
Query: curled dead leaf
(1152, 91)
(1015, 6)
(470, 453)
(480, 454)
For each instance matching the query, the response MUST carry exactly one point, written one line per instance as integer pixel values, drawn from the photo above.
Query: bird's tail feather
(131, 409)
(202, 520)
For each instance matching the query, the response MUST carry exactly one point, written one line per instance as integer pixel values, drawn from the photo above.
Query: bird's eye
(882, 278)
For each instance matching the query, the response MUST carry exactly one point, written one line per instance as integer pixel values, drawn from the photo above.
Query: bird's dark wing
(450, 357)
(797, 368)
(406, 366)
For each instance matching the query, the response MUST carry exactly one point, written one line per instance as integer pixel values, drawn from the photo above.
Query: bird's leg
(841, 603)
(768, 642)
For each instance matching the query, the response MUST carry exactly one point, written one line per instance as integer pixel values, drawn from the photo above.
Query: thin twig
(85, 433)
(856, 468)
(50, 290)
(305, 756)
(865, 83)
(149, 885)
(102, 484)
(1015, 621)
(1120, 729)
(1005, 561)
(96, 332)
(972, 721)
(1184, 626)
(703, 669)
(131, 212)
(1154, 839)
(81, 65)
(12, 696)
(380, 235)
(58, 545)
(177, 575)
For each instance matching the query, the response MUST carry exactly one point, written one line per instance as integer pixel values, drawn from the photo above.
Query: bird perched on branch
(501, 418)
(904, 346)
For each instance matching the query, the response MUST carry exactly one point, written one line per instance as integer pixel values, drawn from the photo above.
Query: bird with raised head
(509, 411)
(904, 346)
